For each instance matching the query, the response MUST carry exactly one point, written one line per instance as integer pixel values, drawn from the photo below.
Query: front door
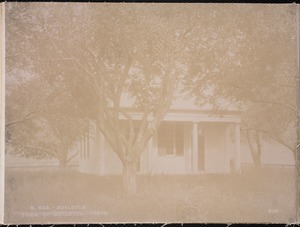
(170, 143)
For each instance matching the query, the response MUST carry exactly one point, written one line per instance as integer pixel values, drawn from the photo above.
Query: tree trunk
(255, 153)
(258, 149)
(63, 159)
(129, 178)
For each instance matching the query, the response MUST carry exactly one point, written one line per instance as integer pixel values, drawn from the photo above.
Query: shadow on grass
(256, 195)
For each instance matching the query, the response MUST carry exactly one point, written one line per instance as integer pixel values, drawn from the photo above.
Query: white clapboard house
(190, 140)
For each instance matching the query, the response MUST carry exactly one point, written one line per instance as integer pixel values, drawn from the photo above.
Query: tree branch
(51, 152)
(70, 158)
(274, 137)
(27, 117)
(290, 107)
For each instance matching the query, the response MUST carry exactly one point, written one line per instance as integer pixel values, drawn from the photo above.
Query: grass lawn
(266, 195)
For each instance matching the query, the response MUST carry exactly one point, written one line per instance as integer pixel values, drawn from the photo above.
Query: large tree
(44, 116)
(122, 51)
(259, 76)
(135, 54)
(145, 52)
(39, 123)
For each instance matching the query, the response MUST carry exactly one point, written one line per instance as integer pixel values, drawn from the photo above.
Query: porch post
(150, 156)
(227, 147)
(237, 153)
(188, 146)
(195, 148)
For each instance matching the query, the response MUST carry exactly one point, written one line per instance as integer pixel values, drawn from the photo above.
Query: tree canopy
(74, 63)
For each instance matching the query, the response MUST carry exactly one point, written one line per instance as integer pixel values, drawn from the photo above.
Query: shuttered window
(170, 139)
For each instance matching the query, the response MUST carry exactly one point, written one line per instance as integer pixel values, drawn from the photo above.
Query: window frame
(176, 148)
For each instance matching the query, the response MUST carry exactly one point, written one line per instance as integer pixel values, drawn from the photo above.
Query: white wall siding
(216, 159)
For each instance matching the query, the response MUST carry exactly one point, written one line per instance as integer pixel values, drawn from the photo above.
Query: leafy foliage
(251, 65)
(82, 69)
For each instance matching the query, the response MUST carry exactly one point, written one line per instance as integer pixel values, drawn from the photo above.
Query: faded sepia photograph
(137, 112)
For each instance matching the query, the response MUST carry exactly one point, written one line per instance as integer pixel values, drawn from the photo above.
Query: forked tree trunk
(129, 178)
(255, 149)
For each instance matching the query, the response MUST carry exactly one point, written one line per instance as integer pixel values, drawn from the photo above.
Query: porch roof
(191, 115)
(183, 108)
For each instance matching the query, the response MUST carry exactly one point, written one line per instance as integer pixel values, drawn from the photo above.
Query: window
(170, 139)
